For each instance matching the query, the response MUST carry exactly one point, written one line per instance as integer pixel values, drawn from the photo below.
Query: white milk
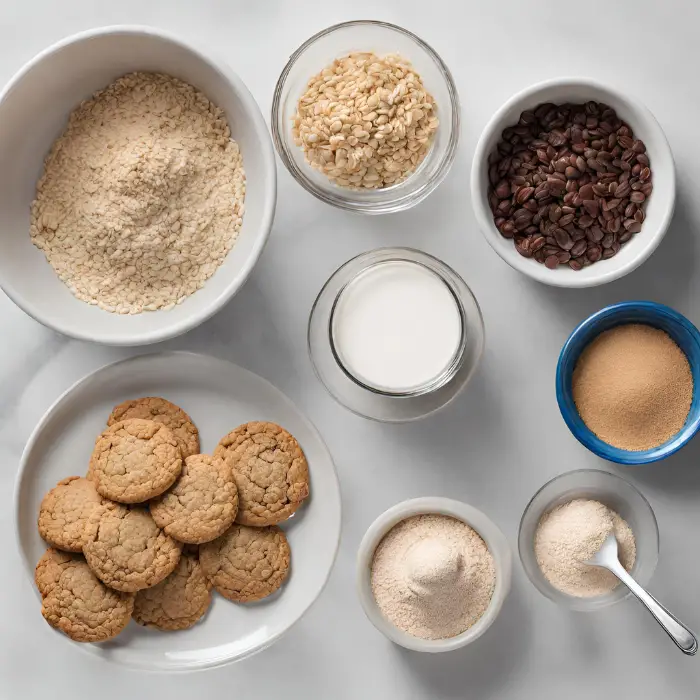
(396, 327)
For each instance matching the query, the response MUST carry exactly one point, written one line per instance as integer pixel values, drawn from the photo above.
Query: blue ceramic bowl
(683, 332)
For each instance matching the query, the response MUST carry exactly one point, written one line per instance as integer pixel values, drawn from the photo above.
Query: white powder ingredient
(571, 534)
(141, 197)
(432, 576)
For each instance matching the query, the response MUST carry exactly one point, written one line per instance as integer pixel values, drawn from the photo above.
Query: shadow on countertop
(486, 664)
(679, 473)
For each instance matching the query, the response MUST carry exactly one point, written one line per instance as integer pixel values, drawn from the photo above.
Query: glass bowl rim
(456, 361)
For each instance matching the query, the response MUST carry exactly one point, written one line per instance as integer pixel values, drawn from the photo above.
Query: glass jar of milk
(395, 334)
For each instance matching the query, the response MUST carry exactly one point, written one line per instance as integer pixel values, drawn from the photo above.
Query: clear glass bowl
(373, 403)
(382, 38)
(616, 493)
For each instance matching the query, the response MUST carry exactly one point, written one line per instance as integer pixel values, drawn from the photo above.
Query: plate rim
(29, 446)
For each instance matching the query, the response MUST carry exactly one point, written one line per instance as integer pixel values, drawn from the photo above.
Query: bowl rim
(579, 604)
(496, 543)
(393, 205)
(483, 213)
(270, 191)
(582, 433)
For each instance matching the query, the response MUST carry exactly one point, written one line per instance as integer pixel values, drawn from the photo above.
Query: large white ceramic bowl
(659, 208)
(493, 537)
(34, 109)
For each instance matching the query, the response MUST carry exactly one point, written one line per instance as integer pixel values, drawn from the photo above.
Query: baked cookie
(135, 460)
(161, 411)
(201, 505)
(246, 563)
(179, 601)
(76, 602)
(126, 549)
(64, 511)
(270, 472)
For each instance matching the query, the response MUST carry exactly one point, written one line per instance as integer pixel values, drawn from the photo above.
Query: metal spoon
(607, 558)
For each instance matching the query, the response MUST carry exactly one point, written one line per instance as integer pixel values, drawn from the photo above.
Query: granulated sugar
(570, 535)
(141, 198)
(633, 387)
(433, 576)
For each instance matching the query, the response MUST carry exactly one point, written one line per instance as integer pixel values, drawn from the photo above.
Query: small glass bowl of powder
(626, 382)
(433, 573)
(567, 521)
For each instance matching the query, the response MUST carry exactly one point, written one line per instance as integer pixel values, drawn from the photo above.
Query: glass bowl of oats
(366, 117)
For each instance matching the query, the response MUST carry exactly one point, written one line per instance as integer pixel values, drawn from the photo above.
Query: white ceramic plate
(218, 396)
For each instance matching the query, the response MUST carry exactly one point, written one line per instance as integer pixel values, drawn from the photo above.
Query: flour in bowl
(570, 535)
(433, 576)
(141, 197)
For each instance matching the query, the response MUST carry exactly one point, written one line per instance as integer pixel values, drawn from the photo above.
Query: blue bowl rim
(578, 429)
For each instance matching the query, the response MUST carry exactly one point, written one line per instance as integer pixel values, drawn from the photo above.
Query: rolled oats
(366, 121)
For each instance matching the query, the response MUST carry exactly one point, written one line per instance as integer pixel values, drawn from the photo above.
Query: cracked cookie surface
(246, 563)
(126, 549)
(177, 602)
(64, 512)
(76, 602)
(270, 471)
(201, 505)
(135, 460)
(161, 411)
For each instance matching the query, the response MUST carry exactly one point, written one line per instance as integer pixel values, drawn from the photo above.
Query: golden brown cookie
(64, 511)
(161, 411)
(201, 505)
(126, 549)
(270, 472)
(78, 604)
(246, 563)
(135, 460)
(179, 601)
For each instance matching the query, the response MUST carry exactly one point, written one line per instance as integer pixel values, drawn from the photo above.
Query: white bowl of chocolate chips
(562, 183)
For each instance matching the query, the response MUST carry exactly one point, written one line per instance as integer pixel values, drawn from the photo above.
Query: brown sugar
(633, 387)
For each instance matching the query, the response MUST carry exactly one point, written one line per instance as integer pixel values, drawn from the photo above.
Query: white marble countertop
(493, 447)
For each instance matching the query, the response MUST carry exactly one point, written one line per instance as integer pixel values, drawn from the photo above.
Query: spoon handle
(683, 638)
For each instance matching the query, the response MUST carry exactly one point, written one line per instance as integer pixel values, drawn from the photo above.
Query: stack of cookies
(154, 524)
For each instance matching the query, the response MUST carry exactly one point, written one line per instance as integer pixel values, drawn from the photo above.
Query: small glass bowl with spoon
(623, 498)
(616, 493)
